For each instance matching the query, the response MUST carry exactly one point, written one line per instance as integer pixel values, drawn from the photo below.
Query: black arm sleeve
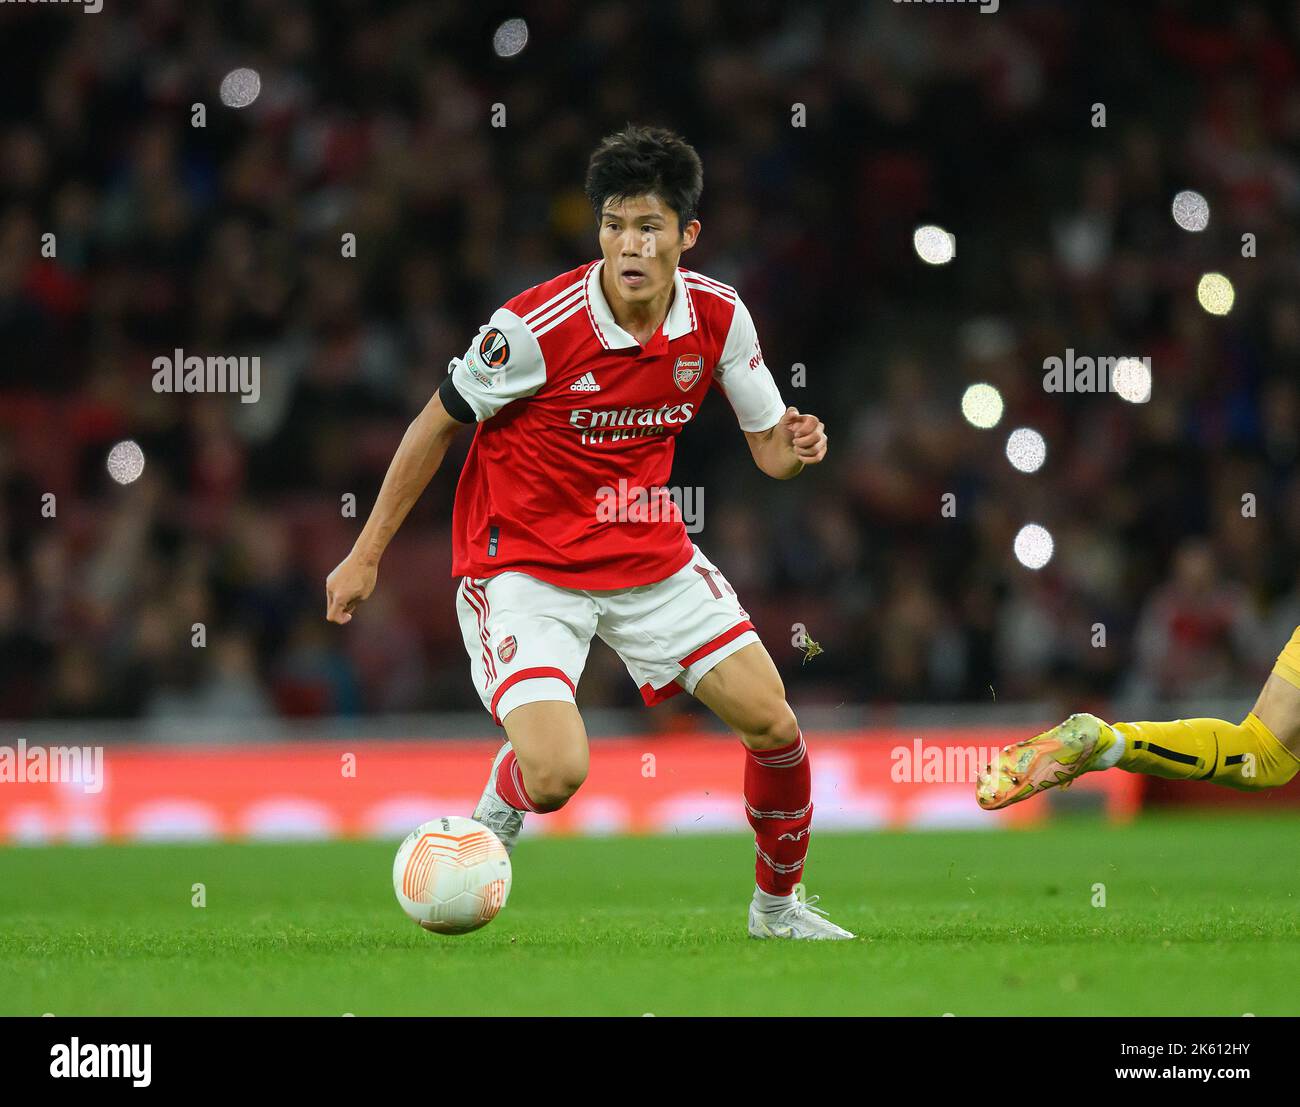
(454, 402)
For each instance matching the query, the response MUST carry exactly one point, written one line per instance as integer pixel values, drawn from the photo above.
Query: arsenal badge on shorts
(687, 371)
(506, 651)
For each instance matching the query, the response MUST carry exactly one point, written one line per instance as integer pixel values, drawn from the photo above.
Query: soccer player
(1262, 751)
(562, 527)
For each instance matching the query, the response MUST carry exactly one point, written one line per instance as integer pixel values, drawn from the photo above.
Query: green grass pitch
(1200, 919)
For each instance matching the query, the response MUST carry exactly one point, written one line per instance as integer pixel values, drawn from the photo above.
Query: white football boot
(797, 920)
(493, 812)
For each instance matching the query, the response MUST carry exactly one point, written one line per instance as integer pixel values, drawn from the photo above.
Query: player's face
(643, 241)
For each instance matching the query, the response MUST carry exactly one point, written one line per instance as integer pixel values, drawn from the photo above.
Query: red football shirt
(577, 423)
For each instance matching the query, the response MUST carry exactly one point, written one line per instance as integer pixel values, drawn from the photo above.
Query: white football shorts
(527, 640)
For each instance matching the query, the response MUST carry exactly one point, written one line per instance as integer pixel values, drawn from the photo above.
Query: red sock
(778, 800)
(510, 784)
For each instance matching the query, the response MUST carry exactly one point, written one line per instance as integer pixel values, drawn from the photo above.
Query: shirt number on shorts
(708, 575)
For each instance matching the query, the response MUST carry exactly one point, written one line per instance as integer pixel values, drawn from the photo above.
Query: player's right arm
(504, 363)
(423, 447)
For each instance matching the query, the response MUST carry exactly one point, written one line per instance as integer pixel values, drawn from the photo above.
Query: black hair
(641, 160)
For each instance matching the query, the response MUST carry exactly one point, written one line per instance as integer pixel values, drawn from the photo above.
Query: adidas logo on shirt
(585, 383)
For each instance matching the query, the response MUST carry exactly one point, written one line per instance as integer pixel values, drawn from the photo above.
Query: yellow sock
(1242, 755)
(1288, 662)
(1245, 755)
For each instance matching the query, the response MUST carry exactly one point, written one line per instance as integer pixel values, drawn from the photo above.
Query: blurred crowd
(828, 132)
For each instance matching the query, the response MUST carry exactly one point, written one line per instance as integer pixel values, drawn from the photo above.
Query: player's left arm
(783, 450)
(781, 440)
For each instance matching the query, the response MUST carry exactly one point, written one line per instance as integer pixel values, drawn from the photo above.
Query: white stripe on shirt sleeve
(488, 384)
(744, 377)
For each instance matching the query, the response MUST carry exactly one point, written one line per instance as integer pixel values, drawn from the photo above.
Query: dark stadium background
(374, 119)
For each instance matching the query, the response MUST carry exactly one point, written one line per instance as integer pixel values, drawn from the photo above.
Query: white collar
(679, 321)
